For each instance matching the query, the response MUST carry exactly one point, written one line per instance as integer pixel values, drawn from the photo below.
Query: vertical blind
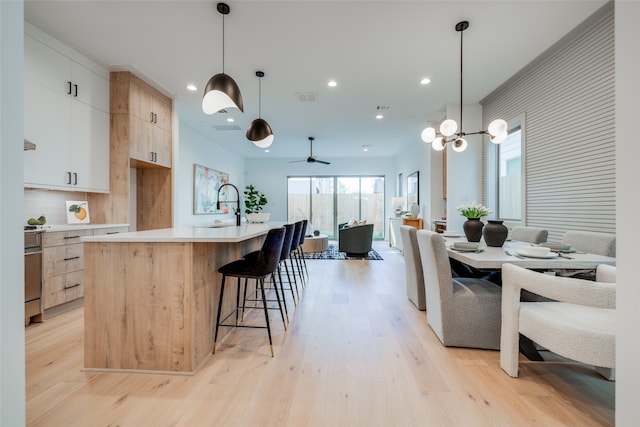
(567, 97)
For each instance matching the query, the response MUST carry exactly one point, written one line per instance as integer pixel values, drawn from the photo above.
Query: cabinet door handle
(75, 178)
(68, 177)
(69, 89)
(151, 117)
(155, 118)
(75, 89)
(72, 258)
(71, 286)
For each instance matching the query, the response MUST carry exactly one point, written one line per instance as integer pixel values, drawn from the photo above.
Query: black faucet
(237, 209)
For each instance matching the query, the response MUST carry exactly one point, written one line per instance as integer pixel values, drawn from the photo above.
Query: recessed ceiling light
(332, 83)
(379, 116)
(192, 88)
(230, 119)
(425, 81)
(266, 151)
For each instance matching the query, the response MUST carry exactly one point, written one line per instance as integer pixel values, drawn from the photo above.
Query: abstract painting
(206, 183)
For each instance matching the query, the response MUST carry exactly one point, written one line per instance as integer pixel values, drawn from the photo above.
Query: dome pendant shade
(220, 93)
(260, 133)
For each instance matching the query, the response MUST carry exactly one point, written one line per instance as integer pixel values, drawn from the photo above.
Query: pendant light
(259, 131)
(497, 129)
(221, 91)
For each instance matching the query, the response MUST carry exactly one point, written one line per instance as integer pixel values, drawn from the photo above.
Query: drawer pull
(113, 232)
(73, 257)
(72, 237)
(71, 286)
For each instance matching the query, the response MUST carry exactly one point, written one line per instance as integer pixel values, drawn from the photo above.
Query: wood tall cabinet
(141, 122)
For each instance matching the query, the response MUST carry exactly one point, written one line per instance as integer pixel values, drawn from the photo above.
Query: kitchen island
(151, 296)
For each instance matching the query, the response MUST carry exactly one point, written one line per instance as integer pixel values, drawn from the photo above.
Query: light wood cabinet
(145, 146)
(63, 267)
(150, 114)
(413, 222)
(66, 114)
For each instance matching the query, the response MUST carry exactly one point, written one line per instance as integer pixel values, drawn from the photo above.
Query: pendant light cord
(223, 44)
(461, 35)
(260, 98)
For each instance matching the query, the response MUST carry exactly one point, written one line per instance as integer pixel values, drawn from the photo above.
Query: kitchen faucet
(236, 210)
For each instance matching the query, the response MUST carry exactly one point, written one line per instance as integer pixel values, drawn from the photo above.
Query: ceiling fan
(311, 159)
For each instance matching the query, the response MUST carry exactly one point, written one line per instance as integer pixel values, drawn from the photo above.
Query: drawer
(62, 259)
(61, 238)
(110, 230)
(64, 288)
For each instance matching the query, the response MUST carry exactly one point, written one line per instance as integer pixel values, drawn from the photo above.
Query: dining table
(492, 258)
(489, 258)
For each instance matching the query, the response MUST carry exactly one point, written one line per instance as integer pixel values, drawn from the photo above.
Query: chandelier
(448, 131)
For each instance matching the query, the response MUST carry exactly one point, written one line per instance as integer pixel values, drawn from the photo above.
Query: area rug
(333, 253)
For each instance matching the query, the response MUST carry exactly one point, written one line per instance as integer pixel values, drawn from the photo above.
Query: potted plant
(473, 226)
(254, 201)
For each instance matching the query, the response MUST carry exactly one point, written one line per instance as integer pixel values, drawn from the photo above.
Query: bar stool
(294, 259)
(264, 264)
(300, 250)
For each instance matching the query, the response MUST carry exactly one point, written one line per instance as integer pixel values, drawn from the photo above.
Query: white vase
(415, 210)
(258, 217)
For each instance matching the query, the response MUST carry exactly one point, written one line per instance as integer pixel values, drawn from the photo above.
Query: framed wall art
(206, 183)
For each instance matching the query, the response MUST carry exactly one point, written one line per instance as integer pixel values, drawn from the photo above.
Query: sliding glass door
(329, 201)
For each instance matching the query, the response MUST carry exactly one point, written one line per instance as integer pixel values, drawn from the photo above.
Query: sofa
(355, 239)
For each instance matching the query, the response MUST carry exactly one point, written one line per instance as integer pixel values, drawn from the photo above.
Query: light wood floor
(357, 353)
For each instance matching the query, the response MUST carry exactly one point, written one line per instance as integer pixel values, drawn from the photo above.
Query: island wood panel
(152, 306)
(153, 192)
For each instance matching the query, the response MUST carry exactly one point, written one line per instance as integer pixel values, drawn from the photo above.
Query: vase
(258, 217)
(495, 233)
(473, 229)
(415, 210)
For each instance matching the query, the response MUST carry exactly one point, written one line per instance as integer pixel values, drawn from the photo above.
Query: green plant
(473, 210)
(254, 200)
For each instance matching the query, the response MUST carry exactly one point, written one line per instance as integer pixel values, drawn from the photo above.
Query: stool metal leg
(284, 301)
(215, 336)
(266, 313)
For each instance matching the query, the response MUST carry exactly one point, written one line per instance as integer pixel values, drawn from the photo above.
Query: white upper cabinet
(67, 117)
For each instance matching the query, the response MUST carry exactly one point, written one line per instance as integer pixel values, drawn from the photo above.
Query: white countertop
(215, 234)
(73, 227)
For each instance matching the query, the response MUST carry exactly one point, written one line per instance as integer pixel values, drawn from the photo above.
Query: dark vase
(495, 233)
(473, 229)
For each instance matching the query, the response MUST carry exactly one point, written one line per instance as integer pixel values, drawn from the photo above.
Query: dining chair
(264, 265)
(591, 242)
(414, 277)
(577, 321)
(462, 311)
(529, 234)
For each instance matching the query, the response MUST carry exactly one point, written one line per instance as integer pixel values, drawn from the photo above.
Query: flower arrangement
(473, 210)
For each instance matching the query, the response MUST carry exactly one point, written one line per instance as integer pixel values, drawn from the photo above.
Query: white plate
(524, 252)
(467, 249)
(445, 234)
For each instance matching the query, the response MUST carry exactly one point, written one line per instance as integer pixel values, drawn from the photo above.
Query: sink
(217, 224)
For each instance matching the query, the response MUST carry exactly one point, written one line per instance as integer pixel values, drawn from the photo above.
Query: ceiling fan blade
(297, 161)
(323, 162)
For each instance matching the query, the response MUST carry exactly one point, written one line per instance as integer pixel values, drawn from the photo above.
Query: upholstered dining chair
(591, 242)
(413, 265)
(529, 234)
(462, 311)
(578, 322)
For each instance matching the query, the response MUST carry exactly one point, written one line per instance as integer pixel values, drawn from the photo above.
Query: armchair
(579, 324)
(355, 240)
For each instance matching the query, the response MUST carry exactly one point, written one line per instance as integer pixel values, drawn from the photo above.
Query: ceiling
(377, 51)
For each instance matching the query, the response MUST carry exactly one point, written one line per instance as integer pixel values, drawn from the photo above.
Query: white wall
(195, 148)
(12, 355)
(627, 152)
(418, 157)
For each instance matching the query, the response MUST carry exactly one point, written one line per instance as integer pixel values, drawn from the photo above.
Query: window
(510, 177)
(330, 201)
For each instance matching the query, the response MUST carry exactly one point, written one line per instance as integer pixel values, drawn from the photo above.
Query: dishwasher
(32, 276)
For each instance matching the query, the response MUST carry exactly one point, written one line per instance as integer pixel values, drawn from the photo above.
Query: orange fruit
(81, 214)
